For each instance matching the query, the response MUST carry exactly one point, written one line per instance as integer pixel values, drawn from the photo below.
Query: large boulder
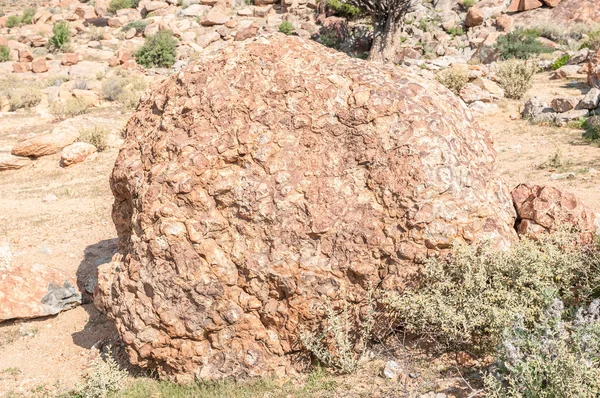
(543, 209)
(264, 179)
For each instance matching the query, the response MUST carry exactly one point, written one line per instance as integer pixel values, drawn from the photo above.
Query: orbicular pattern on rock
(260, 180)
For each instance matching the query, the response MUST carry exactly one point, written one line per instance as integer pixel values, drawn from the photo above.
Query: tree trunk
(386, 38)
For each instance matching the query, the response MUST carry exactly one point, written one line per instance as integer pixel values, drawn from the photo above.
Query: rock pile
(256, 183)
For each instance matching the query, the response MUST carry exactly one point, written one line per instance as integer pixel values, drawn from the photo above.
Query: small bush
(456, 31)
(592, 128)
(139, 26)
(592, 41)
(468, 4)
(105, 377)
(468, 300)
(515, 76)
(61, 36)
(286, 28)
(28, 16)
(125, 89)
(454, 78)
(558, 357)
(13, 21)
(20, 94)
(560, 62)
(344, 9)
(57, 80)
(342, 344)
(69, 108)
(116, 5)
(521, 44)
(96, 33)
(4, 53)
(158, 50)
(97, 136)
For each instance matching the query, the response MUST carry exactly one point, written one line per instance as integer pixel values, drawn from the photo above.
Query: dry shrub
(69, 108)
(515, 76)
(104, 378)
(126, 88)
(454, 78)
(21, 94)
(97, 136)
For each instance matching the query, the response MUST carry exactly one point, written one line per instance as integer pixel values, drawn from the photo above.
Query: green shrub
(158, 50)
(4, 53)
(592, 128)
(514, 76)
(139, 26)
(560, 62)
(456, 31)
(61, 36)
(286, 28)
(558, 357)
(116, 5)
(454, 78)
(468, 4)
(592, 41)
(466, 302)
(344, 9)
(28, 16)
(12, 21)
(521, 44)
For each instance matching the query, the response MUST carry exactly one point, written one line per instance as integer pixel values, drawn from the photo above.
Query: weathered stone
(204, 40)
(551, 3)
(523, 5)
(537, 112)
(69, 59)
(543, 209)
(216, 16)
(21, 67)
(565, 72)
(35, 291)
(45, 144)
(86, 12)
(274, 173)
(570, 116)
(591, 99)
(155, 5)
(474, 17)
(564, 104)
(39, 65)
(10, 162)
(76, 153)
(489, 86)
(471, 93)
(504, 23)
(25, 56)
(247, 33)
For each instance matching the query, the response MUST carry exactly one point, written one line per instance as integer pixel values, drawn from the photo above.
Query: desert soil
(60, 217)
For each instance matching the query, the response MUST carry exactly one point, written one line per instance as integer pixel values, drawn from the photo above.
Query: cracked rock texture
(260, 180)
(542, 209)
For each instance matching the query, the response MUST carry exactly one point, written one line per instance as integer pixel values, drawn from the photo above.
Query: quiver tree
(387, 18)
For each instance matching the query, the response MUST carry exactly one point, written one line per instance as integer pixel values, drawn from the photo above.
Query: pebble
(392, 370)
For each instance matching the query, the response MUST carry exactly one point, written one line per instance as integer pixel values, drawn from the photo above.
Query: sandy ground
(75, 231)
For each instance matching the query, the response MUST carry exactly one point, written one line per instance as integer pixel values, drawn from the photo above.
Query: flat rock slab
(35, 291)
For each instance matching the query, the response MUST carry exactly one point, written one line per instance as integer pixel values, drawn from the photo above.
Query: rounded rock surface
(259, 181)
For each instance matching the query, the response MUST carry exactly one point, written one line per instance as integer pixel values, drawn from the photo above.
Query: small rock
(76, 153)
(39, 65)
(591, 99)
(10, 162)
(50, 198)
(392, 370)
(564, 104)
(563, 176)
(570, 116)
(474, 17)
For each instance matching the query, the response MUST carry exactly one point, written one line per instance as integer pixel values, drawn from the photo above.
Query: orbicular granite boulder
(259, 181)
